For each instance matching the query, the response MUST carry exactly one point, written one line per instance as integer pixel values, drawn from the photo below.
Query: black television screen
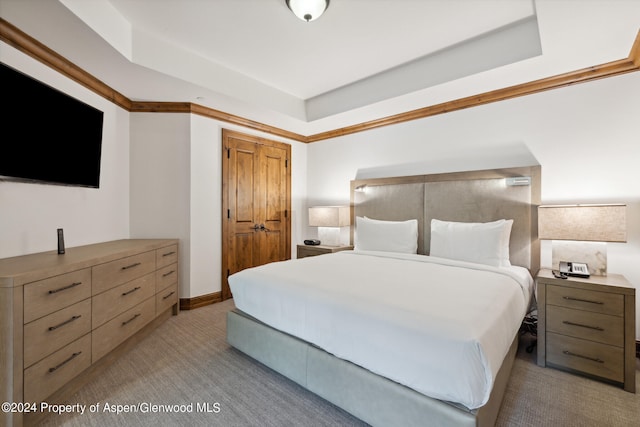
(48, 136)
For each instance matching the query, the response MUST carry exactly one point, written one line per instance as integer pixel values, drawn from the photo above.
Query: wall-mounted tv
(48, 136)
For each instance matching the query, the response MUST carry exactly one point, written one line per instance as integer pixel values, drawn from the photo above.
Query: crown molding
(38, 51)
(33, 48)
(30, 46)
(584, 75)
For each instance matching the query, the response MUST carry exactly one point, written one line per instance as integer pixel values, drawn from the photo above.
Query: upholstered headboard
(474, 196)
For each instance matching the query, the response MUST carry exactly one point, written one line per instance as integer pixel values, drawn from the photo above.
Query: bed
(387, 333)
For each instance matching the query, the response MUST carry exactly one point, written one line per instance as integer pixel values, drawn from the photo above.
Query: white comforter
(438, 326)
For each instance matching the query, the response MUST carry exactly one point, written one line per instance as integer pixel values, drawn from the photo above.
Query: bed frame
(480, 196)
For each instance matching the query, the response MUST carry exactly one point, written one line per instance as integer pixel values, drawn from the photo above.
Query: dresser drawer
(48, 334)
(109, 304)
(166, 276)
(114, 273)
(597, 302)
(166, 256)
(52, 294)
(166, 298)
(598, 327)
(115, 331)
(593, 358)
(48, 375)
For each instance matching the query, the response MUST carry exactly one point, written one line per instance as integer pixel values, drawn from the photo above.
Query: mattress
(441, 327)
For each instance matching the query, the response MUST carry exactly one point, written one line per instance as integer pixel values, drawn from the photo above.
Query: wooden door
(256, 193)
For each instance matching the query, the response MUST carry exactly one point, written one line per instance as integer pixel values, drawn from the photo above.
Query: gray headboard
(473, 196)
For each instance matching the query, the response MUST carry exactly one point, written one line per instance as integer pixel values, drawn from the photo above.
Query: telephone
(312, 242)
(578, 269)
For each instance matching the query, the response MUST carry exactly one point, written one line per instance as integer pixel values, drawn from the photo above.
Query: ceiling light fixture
(308, 10)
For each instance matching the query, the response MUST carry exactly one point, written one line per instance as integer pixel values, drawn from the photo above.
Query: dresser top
(16, 271)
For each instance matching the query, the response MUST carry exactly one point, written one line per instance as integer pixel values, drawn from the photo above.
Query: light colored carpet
(187, 361)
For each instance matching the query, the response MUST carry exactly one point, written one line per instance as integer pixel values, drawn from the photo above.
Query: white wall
(176, 190)
(160, 181)
(31, 213)
(585, 137)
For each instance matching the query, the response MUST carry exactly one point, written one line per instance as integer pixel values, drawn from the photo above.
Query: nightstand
(313, 250)
(587, 326)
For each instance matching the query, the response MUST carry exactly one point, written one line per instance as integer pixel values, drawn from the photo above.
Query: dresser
(64, 317)
(587, 326)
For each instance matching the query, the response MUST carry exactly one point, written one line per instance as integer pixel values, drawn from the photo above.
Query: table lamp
(329, 219)
(579, 232)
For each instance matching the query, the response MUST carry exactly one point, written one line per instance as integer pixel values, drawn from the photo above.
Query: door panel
(272, 244)
(242, 252)
(274, 180)
(273, 189)
(256, 187)
(245, 186)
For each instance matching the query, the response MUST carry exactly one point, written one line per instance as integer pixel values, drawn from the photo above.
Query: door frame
(226, 209)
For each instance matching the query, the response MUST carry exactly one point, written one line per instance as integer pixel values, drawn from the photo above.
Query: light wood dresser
(587, 326)
(65, 317)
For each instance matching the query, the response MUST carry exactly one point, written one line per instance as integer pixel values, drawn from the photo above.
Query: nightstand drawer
(304, 252)
(598, 327)
(593, 358)
(313, 250)
(581, 299)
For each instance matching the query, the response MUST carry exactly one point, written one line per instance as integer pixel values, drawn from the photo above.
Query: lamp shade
(595, 223)
(329, 216)
(308, 10)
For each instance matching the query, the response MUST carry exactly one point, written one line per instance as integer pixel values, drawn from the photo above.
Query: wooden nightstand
(311, 250)
(587, 326)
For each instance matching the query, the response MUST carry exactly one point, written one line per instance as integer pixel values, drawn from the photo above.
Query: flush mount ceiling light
(308, 10)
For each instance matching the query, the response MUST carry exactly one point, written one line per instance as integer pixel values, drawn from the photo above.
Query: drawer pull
(135, 316)
(593, 359)
(169, 253)
(131, 291)
(53, 328)
(597, 328)
(64, 288)
(169, 273)
(169, 294)
(64, 362)
(583, 300)
(126, 267)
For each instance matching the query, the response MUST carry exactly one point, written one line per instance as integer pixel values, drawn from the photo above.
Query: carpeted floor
(187, 365)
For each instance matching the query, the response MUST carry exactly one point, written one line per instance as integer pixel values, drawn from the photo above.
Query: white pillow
(388, 236)
(482, 243)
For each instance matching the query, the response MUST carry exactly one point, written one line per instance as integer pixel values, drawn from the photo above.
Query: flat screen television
(48, 136)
